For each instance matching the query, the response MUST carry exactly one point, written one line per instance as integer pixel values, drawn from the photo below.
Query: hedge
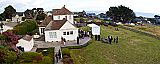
(34, 58)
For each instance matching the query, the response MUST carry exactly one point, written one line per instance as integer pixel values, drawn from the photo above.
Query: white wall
(60, 34)
(48, 39)
(40, 30)
(69, 17)
(5, 28)
(70, 37)
(67, 27)
(14, 19)
(28, 45)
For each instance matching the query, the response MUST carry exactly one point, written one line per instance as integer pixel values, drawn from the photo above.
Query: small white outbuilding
(95, 29)
(26, 42)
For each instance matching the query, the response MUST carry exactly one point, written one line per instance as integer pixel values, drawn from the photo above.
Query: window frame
(64, 33)
(68, 33)
(52, 35)
(71, 33)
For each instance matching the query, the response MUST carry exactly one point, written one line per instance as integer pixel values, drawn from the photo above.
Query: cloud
(151, 6)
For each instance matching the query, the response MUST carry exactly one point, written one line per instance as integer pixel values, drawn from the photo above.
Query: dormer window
(70, 17)
(58, 17)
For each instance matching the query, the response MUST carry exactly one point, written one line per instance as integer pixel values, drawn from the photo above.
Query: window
(71, 32)
(67, 33)
(42, 30)
(52, 35)
(70, 17)
(64, 33)
(58, 17)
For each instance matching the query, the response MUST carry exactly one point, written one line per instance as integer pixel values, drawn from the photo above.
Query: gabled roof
(62, 11)
(11, 24)
(57, 24)
(20, 13)
(46, 21)
(27, 38)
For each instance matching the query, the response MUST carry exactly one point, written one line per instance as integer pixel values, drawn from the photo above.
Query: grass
(78, 19)
(133, 48)
(149, 28)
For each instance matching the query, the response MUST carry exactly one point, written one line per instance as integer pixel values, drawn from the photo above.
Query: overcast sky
(148, 6)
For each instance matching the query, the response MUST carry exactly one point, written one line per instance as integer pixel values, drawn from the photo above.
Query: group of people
(63, 40)
(83, 34)
(110, 39)
(97, 37)
(58, 56)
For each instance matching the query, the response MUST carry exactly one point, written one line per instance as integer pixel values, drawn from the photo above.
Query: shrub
(30, 57)
(25, 27)
(2, 37)
(65, 51)
(6, 56)
(46, 60)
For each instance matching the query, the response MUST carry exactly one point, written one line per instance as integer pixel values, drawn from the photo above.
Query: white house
(9, 26)
(27, 42)
(59, 14)
(59, 25)
(18, 17)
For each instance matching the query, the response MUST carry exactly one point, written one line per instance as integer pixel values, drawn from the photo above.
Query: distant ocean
(148, 15)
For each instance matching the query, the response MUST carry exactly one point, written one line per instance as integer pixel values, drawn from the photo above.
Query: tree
(9, 12)
(120, 14)
(82, 14)
(41, 16)
(157, 16)
(32, 14)
(22, 29)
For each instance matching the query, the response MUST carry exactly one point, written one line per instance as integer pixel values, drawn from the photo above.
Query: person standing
(111, 38)
(56, 57)
(114, 39)
(77, 40)
(59, 54)
(64, 41)
(99, 37)
(91, 35)
(96, 37)
(117, 39)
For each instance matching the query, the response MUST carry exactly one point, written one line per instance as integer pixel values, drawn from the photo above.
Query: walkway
(42, 44)
(57, 48)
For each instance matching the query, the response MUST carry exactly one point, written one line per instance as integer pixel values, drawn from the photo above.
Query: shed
(95, 29)
(26, 42)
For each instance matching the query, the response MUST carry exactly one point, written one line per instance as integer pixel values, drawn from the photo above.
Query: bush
(6, 56)
(30, 57)
(65, 51)
(46, 60)
(2, 37)
(25, 27)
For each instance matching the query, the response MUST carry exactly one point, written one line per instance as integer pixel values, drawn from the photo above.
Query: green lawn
(133, 48)
(149, 28)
